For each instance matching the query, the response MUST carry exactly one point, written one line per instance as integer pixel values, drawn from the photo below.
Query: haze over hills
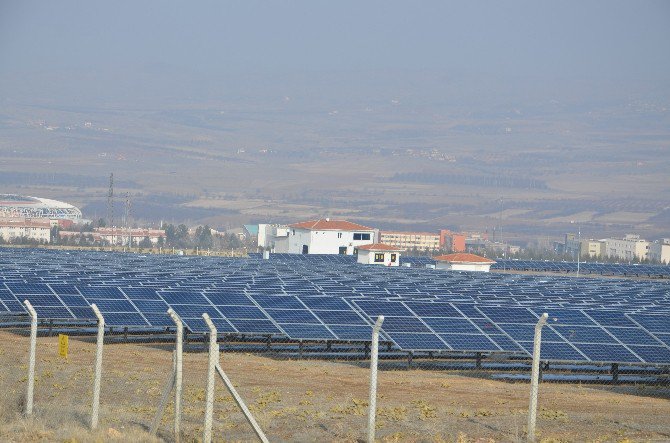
(391, 127)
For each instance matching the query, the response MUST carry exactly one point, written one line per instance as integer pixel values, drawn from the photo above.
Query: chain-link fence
(287, 390)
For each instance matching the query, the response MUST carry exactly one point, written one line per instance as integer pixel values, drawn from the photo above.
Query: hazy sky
(79, 41)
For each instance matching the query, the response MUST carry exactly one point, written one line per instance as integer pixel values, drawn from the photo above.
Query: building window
(361, 236)
(379, 257)
(393, 258)
(339, 235)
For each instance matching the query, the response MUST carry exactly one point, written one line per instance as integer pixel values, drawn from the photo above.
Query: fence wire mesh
(313, 391)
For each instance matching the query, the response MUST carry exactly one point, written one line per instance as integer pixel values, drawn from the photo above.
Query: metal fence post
(372, 405)
(98, 366)
(534, 378)
(211, 372)
(178, 372)
(31, 359)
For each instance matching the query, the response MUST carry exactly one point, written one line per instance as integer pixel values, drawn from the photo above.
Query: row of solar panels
(617, 269)
(320, 300)
(573, 335)
(326, 279)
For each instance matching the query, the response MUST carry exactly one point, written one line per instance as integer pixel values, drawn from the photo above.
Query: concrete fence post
(98, 367)
(211, 373)
(372, 404)
(31, 359)
(534, 377)
(178, 373)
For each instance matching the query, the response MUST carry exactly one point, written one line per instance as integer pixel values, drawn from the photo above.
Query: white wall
(660, 252)
(325, 242)
(368, 258)
(35, 233)
(478, 267)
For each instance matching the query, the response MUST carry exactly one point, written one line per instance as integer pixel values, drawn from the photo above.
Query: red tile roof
(463, 257)
(379, 247)
(326, 224)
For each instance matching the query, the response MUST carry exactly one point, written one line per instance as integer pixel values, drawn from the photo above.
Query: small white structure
(660, 251)
(463, 262)
(328, 236)
(379, 254)
(273, 237)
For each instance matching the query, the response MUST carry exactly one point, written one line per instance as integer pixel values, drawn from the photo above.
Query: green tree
(146, 243)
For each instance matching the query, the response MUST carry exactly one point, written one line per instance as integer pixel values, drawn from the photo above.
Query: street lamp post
(579, 246)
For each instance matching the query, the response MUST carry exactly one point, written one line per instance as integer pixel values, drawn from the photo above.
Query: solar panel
(333, 298)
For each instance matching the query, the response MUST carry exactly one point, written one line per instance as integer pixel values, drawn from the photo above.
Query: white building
(273, 237)
(627, 248)
(660, 251)
(463, 262)
(379, 254)
(328, 236)
(33, 229)
(119, 236)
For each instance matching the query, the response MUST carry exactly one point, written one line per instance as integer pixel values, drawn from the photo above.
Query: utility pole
(579, 246)
(128, 228)
(110, 201)
(500, 227)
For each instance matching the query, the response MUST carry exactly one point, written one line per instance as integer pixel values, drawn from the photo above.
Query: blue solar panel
(449, 325)
(469, 342)
(245, 326)
(332, 298)
(249, 312)
(307, 332)
(352, 332)
(418, 342)
(582, 334)
(555, 351)
(292, 316)
(606, 352)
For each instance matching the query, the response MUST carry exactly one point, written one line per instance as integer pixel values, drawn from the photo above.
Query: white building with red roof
(326, 236)
(463, 261)
(379, 254)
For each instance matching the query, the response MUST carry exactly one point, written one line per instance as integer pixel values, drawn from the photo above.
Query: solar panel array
(329, 298)
(616, 269)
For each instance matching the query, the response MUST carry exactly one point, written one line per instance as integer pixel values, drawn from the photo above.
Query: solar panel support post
(534, 378)
(615, 372)
(374, 353)
(98, 366)
(31, 358)
(211, 370)
(178, 372)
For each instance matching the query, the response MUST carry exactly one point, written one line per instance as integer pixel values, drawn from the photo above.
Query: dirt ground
(305, 400)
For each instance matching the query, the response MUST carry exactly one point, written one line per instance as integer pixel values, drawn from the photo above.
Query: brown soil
(300, 400)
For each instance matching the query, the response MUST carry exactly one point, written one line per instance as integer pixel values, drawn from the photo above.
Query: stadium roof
(12, 205)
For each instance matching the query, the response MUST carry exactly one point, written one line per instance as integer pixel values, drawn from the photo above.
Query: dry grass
(306, 401)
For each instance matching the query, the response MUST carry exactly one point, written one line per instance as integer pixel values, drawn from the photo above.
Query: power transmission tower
(128, 228)
(110, 202)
